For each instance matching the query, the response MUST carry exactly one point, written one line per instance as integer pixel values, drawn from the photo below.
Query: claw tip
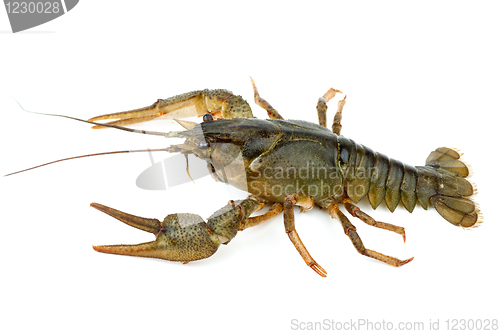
(408, 261)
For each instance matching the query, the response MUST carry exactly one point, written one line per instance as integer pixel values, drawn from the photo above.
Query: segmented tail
(442, 184)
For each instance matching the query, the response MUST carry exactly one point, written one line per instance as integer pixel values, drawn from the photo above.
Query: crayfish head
(235, 143)
(229, 145)
(253, 137)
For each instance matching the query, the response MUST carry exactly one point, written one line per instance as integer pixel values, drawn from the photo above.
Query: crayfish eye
(203, 145)
(208, 117)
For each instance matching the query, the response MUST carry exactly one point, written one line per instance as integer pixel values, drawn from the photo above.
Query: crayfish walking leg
(321, 108)
(306, 203)
(356, 212)
(350, 231)
(274, 210)
(271, 112)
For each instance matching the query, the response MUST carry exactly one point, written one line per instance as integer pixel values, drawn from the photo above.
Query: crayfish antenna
(91, 155)
(171, 134)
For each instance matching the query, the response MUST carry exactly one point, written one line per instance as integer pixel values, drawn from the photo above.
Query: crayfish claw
(145, 224)
(183, 105)
(179, 237)
(182, 237)
(148, 249)
(220, 103)
(318, 269)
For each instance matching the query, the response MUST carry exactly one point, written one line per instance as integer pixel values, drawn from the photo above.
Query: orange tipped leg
(350, 231)
(305, 203)
(321, 107)
(356, 212)
(271, 112)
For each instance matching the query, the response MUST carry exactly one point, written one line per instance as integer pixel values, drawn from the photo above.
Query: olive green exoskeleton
(286, 163)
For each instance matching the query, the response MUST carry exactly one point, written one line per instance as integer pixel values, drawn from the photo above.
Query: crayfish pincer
(286, 163)
(180, 237)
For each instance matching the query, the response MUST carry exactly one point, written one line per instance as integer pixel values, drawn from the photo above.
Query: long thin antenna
(154, 133)
(90, 155)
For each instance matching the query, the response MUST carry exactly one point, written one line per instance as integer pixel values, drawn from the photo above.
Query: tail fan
(453, 192)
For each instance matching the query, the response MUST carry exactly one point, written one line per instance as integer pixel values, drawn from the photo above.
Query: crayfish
(285, 163)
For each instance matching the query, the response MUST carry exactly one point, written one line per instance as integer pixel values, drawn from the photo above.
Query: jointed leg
(336, 127)
(321, 107)
(289, 218)
(274, 210)
(350, 231)
(356, 212)
(271, 112)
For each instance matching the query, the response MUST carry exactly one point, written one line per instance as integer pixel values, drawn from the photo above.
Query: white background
(418, 76)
